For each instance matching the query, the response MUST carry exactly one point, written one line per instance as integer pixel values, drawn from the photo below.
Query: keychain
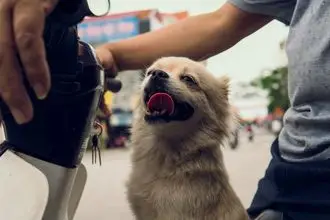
(95, 144)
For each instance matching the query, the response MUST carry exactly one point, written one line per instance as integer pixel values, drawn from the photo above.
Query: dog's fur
(178, 169)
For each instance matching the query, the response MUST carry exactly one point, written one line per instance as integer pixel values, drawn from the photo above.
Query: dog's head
(178, 95)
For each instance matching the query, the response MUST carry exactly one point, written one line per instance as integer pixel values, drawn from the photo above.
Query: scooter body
(41, 174)
(48, 170)
(24, 190)
(33, 188)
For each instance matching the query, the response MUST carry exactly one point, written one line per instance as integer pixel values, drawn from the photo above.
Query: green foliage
(275, 83)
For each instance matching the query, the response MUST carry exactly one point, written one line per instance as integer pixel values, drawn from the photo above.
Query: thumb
(106, 59)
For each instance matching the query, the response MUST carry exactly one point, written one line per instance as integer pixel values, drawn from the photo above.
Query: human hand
(21, 27)
(107, 61)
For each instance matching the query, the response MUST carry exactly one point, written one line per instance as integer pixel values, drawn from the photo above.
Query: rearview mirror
(92, 8)
(98, 7)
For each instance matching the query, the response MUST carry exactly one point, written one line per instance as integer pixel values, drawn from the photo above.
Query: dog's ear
(224, 85)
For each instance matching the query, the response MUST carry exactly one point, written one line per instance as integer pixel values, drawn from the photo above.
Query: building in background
(250, 102)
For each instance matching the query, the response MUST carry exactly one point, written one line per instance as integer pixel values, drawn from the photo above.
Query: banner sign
(99, 30)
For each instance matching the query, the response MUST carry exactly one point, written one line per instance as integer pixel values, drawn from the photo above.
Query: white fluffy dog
(182, 118)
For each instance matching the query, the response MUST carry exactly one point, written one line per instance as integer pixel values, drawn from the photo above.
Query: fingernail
(40, 91)
(19, 116)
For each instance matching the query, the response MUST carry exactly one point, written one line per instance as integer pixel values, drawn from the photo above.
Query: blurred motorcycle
(234, 139)
(250, 132)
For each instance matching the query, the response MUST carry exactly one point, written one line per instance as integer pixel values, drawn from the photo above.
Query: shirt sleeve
(279, 9)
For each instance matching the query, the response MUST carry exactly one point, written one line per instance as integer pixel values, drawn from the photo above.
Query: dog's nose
(159, 74)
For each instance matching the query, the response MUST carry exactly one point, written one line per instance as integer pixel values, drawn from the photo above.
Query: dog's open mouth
(161, 106)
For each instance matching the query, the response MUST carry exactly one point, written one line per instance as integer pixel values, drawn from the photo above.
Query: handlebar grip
(114, 85)
(111, 74)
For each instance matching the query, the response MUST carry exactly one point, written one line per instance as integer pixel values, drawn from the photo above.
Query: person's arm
(197, 37)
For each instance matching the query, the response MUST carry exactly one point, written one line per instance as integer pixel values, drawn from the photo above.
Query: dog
(181, 119)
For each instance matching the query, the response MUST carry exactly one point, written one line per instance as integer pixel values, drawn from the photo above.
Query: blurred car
(120, 122)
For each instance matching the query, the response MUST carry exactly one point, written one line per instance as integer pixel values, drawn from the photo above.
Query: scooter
(41, 174)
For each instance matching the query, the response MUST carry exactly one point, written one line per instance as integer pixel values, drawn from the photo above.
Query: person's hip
(274, 215)
(298, 191)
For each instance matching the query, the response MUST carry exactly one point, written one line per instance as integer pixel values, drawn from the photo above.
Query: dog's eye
(188, 79)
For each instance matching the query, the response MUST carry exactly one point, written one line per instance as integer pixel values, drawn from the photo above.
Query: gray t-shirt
(306, 132)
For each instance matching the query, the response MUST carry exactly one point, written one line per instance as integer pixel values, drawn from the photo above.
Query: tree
(275, 83)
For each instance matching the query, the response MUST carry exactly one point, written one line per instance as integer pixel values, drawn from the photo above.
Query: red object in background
(120, 141)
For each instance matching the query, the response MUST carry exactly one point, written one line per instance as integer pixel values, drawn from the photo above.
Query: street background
(104, 197)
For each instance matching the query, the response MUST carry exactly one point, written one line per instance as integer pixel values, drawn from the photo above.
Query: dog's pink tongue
(160, 102)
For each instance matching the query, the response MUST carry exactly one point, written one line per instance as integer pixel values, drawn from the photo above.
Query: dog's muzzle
(160, 101)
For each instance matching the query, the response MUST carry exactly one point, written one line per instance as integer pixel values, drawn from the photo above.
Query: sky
(244, 61)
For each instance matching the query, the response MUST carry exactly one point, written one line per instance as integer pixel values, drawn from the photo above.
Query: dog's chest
(164, 195)
(174, 193)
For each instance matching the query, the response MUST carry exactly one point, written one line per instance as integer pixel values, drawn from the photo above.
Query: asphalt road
(104, 197)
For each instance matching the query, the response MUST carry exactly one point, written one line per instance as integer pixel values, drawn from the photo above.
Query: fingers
(12, 90)
(49, 5)
(29, 18)
(21, 28)
(106, 60)
(104, 57)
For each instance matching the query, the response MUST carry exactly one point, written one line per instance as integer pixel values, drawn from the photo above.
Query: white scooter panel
(23, 189)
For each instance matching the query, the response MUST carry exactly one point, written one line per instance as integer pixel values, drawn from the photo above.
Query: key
(96, 146)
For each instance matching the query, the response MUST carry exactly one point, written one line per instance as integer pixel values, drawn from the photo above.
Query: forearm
(197, 37)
